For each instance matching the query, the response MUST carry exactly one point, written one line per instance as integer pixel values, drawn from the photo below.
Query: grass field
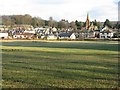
(42, 64)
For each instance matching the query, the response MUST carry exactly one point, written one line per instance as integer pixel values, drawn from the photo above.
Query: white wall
(33, 32)
(73, 36)
(5, 35)
(105, 35)
(52, 37)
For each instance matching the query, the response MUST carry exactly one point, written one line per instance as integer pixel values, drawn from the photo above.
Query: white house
(3, 35)
(54, 29)
(47, 31)
(106, 33)
(52, 37)
(18, 36)
(74, 36)
(23, 36)
(29, 31)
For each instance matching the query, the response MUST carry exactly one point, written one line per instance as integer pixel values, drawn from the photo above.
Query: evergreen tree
(108, 23)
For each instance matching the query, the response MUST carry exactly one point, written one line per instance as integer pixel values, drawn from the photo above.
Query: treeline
(10, 20)
(38, 22)
(21, 20)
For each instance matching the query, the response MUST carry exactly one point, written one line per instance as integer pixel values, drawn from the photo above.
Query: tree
(41, 22)
(52, 23)
(46, 22)
(117, 25)
(79, 24)
(34, 22)
(37, 22)
(63, 24)
(27, 19)
(108, 23)
(98, 24)
(73, 25)
(7, 20)
(18, 19)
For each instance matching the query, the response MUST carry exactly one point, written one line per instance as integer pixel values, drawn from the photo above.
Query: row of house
(50, 33)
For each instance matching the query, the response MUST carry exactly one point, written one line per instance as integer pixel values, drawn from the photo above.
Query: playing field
(43, 64)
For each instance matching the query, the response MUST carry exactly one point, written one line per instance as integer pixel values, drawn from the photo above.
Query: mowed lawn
(42, 64)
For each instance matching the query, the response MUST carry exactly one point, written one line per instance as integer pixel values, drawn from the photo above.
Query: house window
(102, 36)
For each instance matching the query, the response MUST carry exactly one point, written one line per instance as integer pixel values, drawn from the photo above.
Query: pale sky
(62, 9)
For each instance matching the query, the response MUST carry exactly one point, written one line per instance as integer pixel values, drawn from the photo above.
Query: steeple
(87, 22)
(87, 16)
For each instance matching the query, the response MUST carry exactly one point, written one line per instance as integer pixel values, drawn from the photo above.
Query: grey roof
(64, 35)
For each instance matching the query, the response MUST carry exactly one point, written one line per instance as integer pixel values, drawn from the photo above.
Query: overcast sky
(62, 9)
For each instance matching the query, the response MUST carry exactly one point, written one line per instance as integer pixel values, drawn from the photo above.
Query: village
(59, 44)
(89, 31)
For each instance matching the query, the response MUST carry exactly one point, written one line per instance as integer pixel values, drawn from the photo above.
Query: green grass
(36, 64)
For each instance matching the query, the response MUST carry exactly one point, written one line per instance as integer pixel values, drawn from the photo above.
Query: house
(40, 32)
(93, 27)
(21, 27)
(90, 34)
(106, 33)
(83, 33)
(29, 31)
(3, 35)
(64, 35)
(23, 36)
(51, 37)
(97, 33)
(49, 30)
(18, 36)
(71, 36)
(54, 29)
(74, 36)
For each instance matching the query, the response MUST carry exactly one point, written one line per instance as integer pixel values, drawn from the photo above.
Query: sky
(70, 10)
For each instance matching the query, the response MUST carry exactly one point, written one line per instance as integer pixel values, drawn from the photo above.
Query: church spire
(87, 16)
(87, 22)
